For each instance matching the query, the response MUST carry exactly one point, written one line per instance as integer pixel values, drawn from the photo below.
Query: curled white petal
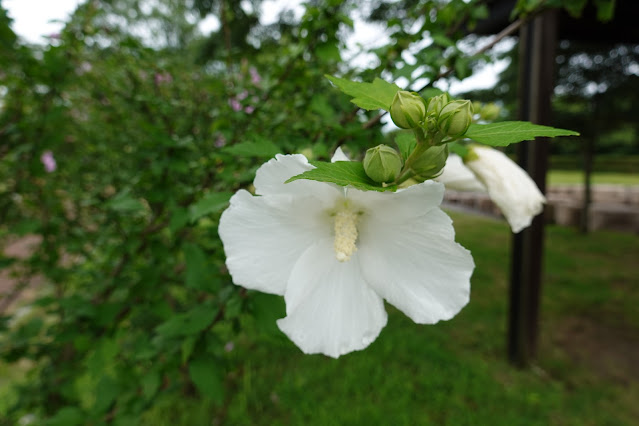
(509, 186)
(458, 177)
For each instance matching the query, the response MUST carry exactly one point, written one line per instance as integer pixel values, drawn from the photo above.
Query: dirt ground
(20, 248)
(607, 351)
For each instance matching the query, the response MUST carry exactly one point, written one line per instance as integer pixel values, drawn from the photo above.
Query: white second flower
(508, 185)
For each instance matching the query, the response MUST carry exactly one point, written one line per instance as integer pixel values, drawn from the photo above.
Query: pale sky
(34, 20)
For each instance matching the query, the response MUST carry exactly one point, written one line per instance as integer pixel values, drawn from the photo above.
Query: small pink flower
(54, 36)
(242, 96)
(235, 104)
(161, 78)
(220, 141)
(249, 109)
(255, 76)
(48, 161)
(229, 346)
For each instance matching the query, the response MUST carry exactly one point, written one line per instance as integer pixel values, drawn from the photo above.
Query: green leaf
(575, 7)
(266, 310)
(507, 132)
(67, 416)
(123, 202)
(406, 143)
(105, 393)
(188, 323)
(430, 92)
(198, 273)
(27, 226)
(212, 202)
(187, 347)
(207, 376)
(179, 218)
(260, 148)
(442, 40)
(321, 106)
(462, 68)
(605, 9)
(150, 384)
(328, 52)
(458, 149)
(375, 95)
(342, 173)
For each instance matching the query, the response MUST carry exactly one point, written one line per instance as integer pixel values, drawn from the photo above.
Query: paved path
(613, 207)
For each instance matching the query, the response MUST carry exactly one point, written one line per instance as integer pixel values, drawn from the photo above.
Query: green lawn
(559, 177)
(455, 373)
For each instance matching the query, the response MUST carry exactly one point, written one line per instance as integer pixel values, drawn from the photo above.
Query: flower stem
(424, 141)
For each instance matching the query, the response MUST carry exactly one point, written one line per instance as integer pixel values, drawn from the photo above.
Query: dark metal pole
(588, 153)
(537, 41)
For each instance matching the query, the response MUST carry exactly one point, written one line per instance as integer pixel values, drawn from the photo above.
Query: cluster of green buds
(434, 124)
(450, 118)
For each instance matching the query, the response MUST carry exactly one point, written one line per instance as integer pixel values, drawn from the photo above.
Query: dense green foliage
(151, 132)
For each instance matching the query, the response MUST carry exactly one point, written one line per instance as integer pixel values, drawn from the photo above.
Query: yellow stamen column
(345, 234)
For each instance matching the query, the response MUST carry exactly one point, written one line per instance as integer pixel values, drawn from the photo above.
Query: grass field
(455, 373)
(559, 177)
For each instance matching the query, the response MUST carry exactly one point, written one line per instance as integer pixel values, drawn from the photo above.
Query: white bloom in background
(508, 185)
(335, 253)
(458, 177)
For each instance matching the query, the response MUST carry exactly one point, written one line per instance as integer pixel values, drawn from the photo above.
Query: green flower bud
(436, 103)
(489, 112)
(455, 118)
(431, 162)
(408, 109)
(382, 163)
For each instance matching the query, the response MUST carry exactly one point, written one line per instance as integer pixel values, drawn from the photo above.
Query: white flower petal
(416, 265)
(458, 177)
(270, 178)
(264, 236)
(509, 186)
(404, 204)
(339, 155)
(329, 307)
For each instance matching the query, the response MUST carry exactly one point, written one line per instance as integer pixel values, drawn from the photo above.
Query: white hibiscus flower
(335, 253)
(507, 184)
(458, 177)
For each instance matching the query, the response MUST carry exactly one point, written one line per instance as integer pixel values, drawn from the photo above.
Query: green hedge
(602, 163)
